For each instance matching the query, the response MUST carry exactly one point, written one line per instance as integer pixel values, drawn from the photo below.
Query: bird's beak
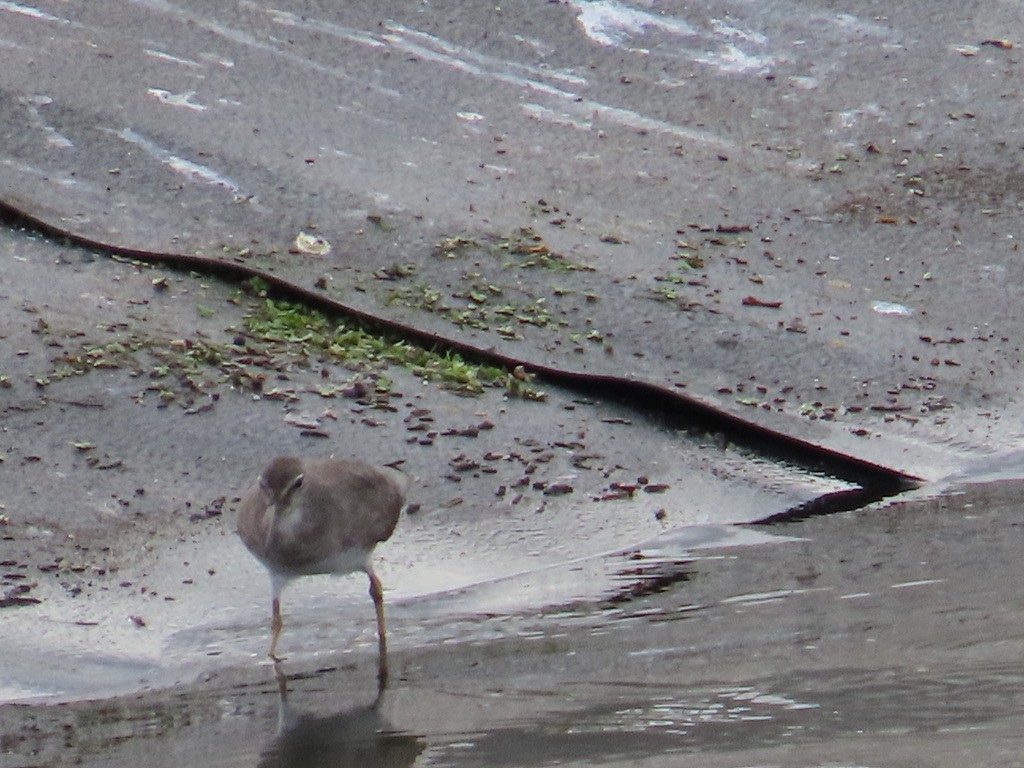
(269, 506)
(265, 490)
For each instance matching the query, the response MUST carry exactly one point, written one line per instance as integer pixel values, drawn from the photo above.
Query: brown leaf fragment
(558, 489)
(207, 406)
(612, 496)
(286, 395)
(355, 391)
(753, 301)
(11, 601)
(211, 510)
(568, 445)
(87, 402)
(470, 431)
(629, 488)
(582, 460)
(463, 463)
(106, 462)
(301, 421)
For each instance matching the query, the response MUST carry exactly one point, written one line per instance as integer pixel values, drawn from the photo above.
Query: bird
(321, 516)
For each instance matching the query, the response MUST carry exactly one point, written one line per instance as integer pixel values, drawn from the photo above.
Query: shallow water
(883, 637)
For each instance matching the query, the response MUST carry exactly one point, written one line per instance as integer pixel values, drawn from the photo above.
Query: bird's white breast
(287, 521)
(347, 562)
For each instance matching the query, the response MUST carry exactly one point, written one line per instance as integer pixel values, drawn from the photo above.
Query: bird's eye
(297, 482)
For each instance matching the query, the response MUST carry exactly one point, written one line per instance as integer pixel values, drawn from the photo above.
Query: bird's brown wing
(364, 501)
(252, 522)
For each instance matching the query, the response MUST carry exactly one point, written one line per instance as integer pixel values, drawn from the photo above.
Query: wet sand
(128, 439)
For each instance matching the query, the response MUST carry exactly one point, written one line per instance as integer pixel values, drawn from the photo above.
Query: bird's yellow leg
(275, 628)
(377, 593)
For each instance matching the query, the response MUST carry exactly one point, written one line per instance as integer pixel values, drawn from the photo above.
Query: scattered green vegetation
(690, 260)
(277, 337)
(485, 303)
(380, 222)
(256, 286)
(396, 271)
(114, 354)
(524, 250)
(288, 325)
(669, 288)
(665, 293)
(480, 305)
(453, 247)
(687, 260)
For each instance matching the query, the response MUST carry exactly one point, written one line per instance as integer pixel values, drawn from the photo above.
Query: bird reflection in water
(359, 736)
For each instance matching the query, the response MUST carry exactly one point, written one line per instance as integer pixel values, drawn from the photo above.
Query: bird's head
(279, 481)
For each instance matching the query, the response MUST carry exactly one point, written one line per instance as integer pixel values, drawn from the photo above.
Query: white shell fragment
(312, 245)
(891, 308)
